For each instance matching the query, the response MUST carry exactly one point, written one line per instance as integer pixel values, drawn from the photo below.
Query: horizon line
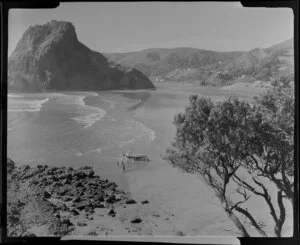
(190, 47)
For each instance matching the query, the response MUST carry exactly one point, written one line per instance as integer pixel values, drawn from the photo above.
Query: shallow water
(89, 128)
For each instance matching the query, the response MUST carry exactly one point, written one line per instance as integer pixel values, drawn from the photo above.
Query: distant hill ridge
(209, 67)
(50, 57)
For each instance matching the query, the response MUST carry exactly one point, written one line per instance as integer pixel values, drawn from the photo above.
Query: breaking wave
(147, 131)
(89, 115)
(22, 105)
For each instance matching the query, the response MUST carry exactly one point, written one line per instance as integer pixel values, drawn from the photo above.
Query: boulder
(40, 184)
(65, 182)
(63, 190)
(90, 173)
(112, 212)
(80, 175)
(74, 212)
(92, 182)
(66, 198)
(61, 206)
(10, 166)
(34, 182)
(88, 196)
(98, 192)
(28, 234)
(82, 205)
(54, 178)
(44, 179)
(88, 209)
(67, 222)
(77, 199)
(47, 194)
(79, 223)
(78, 184)
(136, 221)
(85, 168)
(24, 168)
(73, 192)
(20, 204)
(111, 199)
(69, 176)
(144, 202)
(99, 205)
(27, 175)
(130, 201)
(61, 176)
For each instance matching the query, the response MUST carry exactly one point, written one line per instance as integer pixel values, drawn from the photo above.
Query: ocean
(95, 128)
(72, 129)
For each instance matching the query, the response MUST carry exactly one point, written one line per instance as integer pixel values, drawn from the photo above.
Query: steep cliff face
(50, 57)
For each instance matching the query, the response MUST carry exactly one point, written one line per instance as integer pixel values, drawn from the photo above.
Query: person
(122, 162)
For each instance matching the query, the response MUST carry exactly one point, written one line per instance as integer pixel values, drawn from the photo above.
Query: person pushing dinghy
(132, 158)
(122, 162)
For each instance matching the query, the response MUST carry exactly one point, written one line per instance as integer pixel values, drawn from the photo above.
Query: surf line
(27, 105)
(148, 131)
(91, 114)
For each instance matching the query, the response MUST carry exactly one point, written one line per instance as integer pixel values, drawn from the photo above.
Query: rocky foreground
(58, 201)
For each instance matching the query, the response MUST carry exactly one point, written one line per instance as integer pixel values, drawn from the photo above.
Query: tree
(238, 148)
(278, 106)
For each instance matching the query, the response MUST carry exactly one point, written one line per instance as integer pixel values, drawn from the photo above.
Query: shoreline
(78, 203)
(195, 208)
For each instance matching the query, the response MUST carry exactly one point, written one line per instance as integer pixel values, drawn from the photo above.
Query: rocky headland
(59, 201)
(50, 57)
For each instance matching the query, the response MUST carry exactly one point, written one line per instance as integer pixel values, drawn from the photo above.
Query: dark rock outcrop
(136, 221)
(130, 201)
(112, 212)
(47, 194)
(50, 57)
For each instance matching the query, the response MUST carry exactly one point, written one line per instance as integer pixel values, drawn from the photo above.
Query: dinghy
(137, 157)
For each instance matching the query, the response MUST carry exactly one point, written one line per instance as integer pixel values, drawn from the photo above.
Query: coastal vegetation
(244, 151)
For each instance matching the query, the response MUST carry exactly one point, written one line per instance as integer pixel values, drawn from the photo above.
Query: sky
(132, 26)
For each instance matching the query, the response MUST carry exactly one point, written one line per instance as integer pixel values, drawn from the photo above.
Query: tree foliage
(241, 146)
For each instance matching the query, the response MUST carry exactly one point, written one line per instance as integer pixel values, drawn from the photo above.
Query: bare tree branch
(280, 221)
(252, 220)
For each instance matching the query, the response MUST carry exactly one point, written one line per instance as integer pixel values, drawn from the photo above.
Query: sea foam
(89, 115)
(22, 105)
(147, 131)
(110, 103)
(123, 143)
